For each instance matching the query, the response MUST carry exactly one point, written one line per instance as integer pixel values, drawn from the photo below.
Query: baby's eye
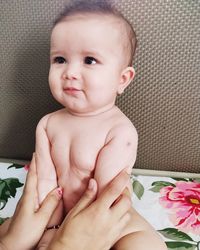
(59, 60)
(90, 60)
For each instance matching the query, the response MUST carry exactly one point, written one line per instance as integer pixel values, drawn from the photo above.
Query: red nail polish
(26, 167)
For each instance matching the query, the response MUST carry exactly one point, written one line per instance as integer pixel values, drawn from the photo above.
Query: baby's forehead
(109, 21)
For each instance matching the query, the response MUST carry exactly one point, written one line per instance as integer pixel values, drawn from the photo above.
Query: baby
(91, 51)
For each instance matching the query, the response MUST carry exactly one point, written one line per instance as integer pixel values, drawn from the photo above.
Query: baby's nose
(71, 72)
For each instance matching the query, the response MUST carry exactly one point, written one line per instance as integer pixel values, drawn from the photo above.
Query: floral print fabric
(183, 202)
(171, 205)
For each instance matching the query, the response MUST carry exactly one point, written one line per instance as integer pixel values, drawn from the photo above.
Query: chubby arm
(118, 153)
(46, 172)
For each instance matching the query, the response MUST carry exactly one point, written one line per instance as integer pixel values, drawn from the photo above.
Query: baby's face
(86, 62)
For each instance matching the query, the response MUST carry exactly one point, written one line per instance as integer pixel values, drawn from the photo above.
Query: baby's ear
(127, 76)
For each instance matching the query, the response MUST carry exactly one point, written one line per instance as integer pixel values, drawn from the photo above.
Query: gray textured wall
(163, 101)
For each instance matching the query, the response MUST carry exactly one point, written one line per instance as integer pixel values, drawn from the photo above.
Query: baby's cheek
(54, 85)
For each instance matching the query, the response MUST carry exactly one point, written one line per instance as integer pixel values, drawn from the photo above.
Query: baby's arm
(118, 153)
(47, 178)
(46, 172)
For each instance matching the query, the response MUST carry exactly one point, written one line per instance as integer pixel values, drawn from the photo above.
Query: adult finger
(87, 198)
(49, 205)
(122, 225)
(113, 190)
(122, 206)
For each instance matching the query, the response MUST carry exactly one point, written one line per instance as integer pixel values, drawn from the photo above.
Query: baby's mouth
(71, 90)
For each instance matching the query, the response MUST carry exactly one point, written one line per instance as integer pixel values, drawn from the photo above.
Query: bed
(162, 102)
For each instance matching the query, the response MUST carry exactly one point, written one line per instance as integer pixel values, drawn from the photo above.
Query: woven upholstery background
(163, 101)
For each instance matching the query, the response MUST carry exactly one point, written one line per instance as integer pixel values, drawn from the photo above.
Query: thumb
(88, 197)
(49, 205)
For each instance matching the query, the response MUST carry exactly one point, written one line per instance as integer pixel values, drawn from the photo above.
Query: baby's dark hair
(101, 7)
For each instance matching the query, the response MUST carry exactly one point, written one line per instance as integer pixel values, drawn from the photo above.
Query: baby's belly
(74, 184)
(73, 172)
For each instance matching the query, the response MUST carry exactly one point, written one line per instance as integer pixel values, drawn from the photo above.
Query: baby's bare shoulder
(123, 128)
(48, 118)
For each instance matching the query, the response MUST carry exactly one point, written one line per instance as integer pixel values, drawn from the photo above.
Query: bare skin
(109, 212)
(90, 137)
(102, 215)
(86, 153)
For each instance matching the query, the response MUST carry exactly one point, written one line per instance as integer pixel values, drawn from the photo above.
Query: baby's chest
(77, 150)
(85, 148)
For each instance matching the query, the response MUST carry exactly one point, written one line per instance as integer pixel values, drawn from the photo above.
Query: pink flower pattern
(183, 201)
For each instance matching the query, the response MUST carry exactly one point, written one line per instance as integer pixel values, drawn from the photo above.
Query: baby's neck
(93, 113)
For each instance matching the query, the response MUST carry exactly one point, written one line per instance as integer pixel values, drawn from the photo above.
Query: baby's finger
(87, 198)
(114, 189)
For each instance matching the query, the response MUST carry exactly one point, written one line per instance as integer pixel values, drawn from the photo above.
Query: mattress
(169, 201)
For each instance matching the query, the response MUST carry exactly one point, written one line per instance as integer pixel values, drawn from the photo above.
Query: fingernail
(26, 167)
(59, 191)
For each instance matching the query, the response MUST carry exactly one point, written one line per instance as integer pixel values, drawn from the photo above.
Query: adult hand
(29, 221)
(96, 224)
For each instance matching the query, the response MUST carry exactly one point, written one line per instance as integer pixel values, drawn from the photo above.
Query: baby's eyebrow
(55, 52)
(92, 53)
